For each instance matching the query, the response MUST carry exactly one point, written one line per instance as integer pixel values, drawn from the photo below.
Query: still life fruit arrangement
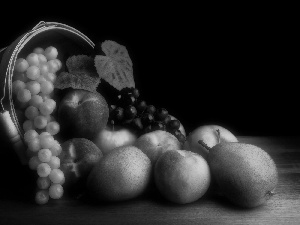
(88, 129)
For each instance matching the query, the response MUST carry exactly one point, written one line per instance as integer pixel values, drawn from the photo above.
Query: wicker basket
(66, 39)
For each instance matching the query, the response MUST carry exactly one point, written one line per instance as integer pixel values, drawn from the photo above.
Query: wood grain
(17, 207)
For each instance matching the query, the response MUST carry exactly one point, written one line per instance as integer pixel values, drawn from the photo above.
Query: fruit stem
(219, 136)
(201, 142)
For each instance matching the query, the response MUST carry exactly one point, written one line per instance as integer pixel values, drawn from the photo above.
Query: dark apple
(82, 114)
(78, 157)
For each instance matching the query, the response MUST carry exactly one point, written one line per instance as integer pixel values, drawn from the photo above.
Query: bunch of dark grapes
(134, 113)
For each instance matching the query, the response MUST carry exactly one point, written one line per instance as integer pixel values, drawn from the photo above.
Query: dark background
(233, 67)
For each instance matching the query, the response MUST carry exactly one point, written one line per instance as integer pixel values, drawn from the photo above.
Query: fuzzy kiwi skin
(245, 173)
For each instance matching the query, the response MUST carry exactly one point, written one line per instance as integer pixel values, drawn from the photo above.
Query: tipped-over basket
(66, 39)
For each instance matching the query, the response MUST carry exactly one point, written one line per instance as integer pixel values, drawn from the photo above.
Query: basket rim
(13, 53)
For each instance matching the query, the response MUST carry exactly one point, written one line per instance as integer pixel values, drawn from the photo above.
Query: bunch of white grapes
(33, 86)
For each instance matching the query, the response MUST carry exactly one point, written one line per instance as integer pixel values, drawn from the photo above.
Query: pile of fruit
(84, 137)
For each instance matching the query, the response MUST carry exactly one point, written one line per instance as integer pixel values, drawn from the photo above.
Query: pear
(244, 173)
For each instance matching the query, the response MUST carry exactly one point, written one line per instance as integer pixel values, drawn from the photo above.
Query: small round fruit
(161, 114)
(141, 106)
(151, 109)
(21, 65)
(122, 174)
(56, 176)
(42, 197)
(43, 182)
(43, 170)
(56, 191)
(130, 112)
(182, 176)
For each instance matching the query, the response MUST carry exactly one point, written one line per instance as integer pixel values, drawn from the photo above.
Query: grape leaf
(116, 66)
(81, 74)
(76, 80)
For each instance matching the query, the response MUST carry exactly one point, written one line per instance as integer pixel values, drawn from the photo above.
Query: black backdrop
(238, 70)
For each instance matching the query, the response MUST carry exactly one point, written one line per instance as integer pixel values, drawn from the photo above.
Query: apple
(110, 138)
(182, 176)
(209, 135)
(154, 143)
(77, 158)
(82, 114)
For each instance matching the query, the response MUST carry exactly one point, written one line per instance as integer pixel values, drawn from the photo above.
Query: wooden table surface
(17, 207)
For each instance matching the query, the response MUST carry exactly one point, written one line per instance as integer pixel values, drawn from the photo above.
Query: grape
(173, 125)
(36, 100)
(53, 127)
(44, 155)
(147, 118)
(34, 145)
(136, 123)
(33, 59)
(56, 176)
(54, 162)
(28, 125)
(45, 96)
(30, 135)
(40, 122)
(42, 197)
(118, 114)
(130, 112)
(167, 119)
(38, 50)
(181, 138)
(56, 191)
(46, 87)
(161, 114)
(21, 65)
(49, 119)
(126, 100)
(150, 109)
(34, 87)
(51, 53)
(43, 170)
(42, 58)
(50, 77)
(135, 93)
(55, 148)
(17, 86)
(20, 76)
(24, 95)
(34, 162)
(31, 112)
(141, 106)
(58, 63)
(33, 72)
(46, 141)
(47, 107)
(44, 69)
(53, 66)
(41, 79)
(43, 182)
